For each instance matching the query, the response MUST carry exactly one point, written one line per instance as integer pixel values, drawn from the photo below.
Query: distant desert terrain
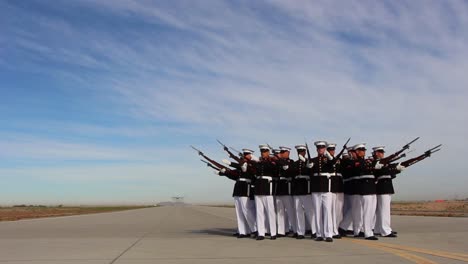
(26, 212)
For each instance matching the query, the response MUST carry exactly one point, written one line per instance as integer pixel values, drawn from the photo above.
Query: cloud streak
(270, 71)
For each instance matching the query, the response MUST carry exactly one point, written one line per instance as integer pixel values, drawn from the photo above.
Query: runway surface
(194, 234)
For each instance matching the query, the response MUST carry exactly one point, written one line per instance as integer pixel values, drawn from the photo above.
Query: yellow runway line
(401, 253)
(438, 253)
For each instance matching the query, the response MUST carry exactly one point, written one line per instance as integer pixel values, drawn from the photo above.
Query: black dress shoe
(337, 237)
(267, 234)
(300, 237)
(391, 235)
(280, 235)
(377, 234)
(308, 232)
(361, 234)
(328, 239)
(273, 238)
(395, 232)
(313, 236)
(319, 239)
(243, 236)
(235, 234)
(341, 231)
(295, 235)
(349, 232)
(372, 238)
(260, 237)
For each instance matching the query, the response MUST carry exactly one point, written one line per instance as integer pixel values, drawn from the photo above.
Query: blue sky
(101, 99)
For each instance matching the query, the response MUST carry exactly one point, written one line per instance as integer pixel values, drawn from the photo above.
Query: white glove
(223, 170)
(216, 172)
(302, 158)
(328, 155)
(310, 165)
(285, 167)
(254, 158)
(378, 166)
(244, 167)
(227, 162)
(400, 167)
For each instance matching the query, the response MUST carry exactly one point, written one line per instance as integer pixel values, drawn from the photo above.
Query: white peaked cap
(378, 148)
(285, 148)
(361, 145)
(320, 143)
(264, 147)
(300, 147)
(247, 151)
(331, 145)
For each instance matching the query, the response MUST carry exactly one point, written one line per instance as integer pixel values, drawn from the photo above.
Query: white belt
(384, 177)
(336, 174)
(289, 183)
(360, 177)
(307, 177)
(270, 181)
(244, 180)
(265, 178)
(326, 174)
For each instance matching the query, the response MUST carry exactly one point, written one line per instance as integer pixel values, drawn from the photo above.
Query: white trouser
(382, 216)
(285, 214)
(303, 205)
(322, 204)
(357, 213)
(253, 212)
(347, 222)
(245, 219)
(265, 206)
(368, 207)
(337, 212)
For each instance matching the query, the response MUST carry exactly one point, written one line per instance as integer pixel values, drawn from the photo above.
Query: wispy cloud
(275, 71)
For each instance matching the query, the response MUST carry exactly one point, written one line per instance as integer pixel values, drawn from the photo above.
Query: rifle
(390, 158)
(231, 155)
(417, 159)
(219, 165)
(400, 156)
(307, 148)
(210, 165)
(342, 150)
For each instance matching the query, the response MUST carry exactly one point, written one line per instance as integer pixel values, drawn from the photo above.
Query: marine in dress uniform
(301, 191)
(320, 183)
(337, 191)
(351, 197)
(285, 212)
(364, 213)
(265, 169)
(241, 193)
(384, 177)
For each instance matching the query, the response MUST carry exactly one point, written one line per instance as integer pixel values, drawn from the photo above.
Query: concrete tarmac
(194, 234)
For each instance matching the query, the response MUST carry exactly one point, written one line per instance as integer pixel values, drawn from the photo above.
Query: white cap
(320, 143)
(350, 148)
(300, 147)
(276, 151)
(247, 151)
(264, 147)
(331, 145)
(285, 148)
(358, 146)
(379, 148)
